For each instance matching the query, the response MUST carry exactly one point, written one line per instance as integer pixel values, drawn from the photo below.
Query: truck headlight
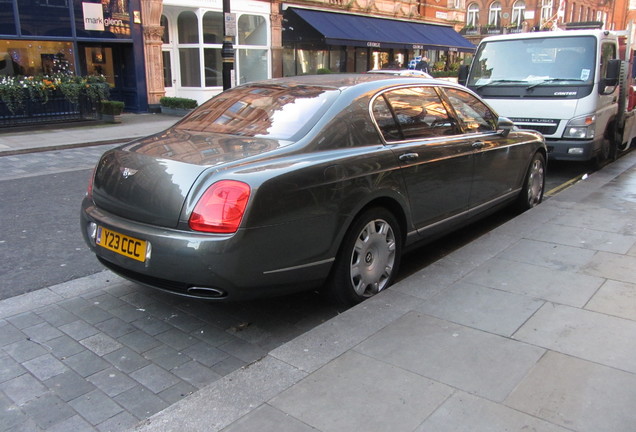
(580, 128)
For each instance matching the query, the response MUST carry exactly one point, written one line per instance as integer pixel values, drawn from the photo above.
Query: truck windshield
(534, 61)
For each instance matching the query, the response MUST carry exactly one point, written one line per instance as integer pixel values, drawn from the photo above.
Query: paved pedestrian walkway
(64, 136)
(530, 327)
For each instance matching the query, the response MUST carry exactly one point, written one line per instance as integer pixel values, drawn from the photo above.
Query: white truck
(573, 86)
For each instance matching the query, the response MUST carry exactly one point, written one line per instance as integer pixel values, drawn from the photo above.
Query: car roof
(342, 81)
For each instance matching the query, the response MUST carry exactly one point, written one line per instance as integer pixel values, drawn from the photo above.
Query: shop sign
(373, 44)
(108, 15)
(93, 16)
(418, 47)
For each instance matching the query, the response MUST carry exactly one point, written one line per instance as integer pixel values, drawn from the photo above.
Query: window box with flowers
(469, 30)
(47, 99)
(491, 29)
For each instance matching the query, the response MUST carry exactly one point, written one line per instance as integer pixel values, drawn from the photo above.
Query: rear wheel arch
(340, 283)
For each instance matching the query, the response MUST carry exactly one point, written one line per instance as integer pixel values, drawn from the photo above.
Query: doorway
(116, 63)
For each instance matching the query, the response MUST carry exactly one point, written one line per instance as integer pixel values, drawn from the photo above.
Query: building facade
(150, 48)
(273, 39)
(490, 17)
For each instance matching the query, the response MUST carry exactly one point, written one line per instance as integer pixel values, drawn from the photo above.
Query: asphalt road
(41, 244)
(40, 239)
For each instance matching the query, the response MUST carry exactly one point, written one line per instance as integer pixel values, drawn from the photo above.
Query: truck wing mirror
(504, 126)
(612, 74)
(462, 74)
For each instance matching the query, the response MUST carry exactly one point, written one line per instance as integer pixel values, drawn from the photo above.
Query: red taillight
(221, 208)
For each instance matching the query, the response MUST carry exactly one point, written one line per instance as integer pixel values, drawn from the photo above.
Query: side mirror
(612, 75)
(504, 126)
(462, 74)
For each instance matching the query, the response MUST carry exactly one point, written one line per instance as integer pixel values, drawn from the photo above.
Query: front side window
(412, 113)
(474, 114)
(608, 52)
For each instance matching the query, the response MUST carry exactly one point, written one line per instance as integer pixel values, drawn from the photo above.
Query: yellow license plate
(122, 244)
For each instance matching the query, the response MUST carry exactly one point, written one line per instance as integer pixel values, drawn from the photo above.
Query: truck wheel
(369, 257)
(604, 153)
(532, 192)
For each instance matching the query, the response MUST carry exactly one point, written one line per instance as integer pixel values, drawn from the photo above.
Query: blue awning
(355, 30)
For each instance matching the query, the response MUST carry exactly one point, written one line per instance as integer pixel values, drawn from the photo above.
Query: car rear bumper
(244, 265)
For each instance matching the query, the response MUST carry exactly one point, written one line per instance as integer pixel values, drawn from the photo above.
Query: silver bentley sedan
(290, 184)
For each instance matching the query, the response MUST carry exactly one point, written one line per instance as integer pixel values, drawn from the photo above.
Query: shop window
(362, 60)
(167, 69)
(44, 18)
(7, 26)
(252, 30)
(213, 28)
(309, 61)
(23, 57)
(165, 37)
(337, 59)
(188, 28)
(253, 65)
(289, 62)
(190, 67)
(99, 61)
(213, 67)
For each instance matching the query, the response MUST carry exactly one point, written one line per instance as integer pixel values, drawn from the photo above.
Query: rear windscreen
(275, 112)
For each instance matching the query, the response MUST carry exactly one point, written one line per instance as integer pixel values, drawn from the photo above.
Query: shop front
(75, 37)
(341, 42)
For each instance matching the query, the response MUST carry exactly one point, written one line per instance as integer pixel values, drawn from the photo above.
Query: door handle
(408, 157)
(478, 145)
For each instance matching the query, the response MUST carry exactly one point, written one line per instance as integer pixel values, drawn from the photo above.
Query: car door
(500, 161)
(436, 163)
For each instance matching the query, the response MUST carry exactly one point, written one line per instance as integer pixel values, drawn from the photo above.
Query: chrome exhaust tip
(205, 292)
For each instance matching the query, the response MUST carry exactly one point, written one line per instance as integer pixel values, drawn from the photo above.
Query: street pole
(227, 51)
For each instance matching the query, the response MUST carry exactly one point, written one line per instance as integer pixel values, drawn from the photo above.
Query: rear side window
(474, 114)
(412, 113)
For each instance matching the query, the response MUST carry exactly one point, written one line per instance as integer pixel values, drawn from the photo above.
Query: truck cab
(569, 85)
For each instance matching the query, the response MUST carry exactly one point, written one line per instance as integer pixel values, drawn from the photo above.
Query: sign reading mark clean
(93, 16)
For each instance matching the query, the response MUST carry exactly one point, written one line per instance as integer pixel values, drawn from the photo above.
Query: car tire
(532, 192)
(368, 259)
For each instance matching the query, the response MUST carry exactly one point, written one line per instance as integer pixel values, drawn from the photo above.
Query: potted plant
(176, 105)
(110, 111)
